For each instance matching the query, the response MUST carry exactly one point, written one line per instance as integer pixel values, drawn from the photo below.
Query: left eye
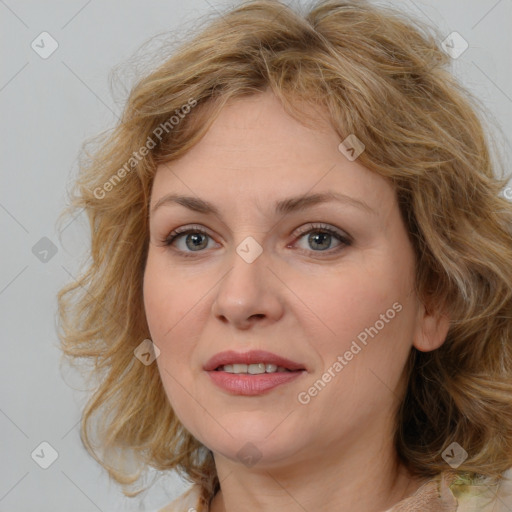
(319, 236)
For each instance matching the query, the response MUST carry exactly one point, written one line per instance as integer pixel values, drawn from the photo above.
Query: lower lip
(249, 385)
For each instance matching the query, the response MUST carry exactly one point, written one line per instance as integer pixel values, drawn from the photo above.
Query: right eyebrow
(282, 207)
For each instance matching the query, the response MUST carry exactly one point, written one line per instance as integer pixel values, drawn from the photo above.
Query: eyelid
(186, 229)
(343, 237)
(320, 226)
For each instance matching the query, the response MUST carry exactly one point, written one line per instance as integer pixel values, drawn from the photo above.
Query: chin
(258, 454)
(253, 438)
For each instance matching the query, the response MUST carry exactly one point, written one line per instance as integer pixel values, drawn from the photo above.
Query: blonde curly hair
(382, 76)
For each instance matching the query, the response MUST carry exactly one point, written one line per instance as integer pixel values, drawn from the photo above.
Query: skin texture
(296, 300)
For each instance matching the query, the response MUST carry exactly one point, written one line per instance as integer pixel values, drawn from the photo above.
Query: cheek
(371, 305)
(173, 309)
(163, 307)
(373, 348)
(156, 300)
(165, 297)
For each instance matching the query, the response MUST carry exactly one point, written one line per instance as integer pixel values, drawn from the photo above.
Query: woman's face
(339, 303)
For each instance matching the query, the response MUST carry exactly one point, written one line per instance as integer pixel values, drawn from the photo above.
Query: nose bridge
(249, 250)
(248, 270)
(245, 291)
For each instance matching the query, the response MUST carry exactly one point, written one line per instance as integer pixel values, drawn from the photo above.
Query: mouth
(254, 362)
(252, 369)
(251, 373)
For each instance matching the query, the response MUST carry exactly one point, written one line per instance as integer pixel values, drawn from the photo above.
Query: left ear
(431, 329)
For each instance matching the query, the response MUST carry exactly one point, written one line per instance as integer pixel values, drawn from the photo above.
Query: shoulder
(465, 496)
(449, 492)
(484, 496)
(187, 502)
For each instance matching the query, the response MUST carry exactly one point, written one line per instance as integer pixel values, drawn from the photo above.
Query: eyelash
(345, 240)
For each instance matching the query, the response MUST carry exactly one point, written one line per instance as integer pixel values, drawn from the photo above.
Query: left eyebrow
(282, 207)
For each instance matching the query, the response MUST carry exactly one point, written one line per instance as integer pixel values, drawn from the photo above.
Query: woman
(300, 290)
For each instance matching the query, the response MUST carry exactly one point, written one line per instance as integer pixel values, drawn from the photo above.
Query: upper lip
(251, 357)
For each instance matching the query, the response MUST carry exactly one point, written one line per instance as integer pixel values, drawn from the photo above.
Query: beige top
(444, 493)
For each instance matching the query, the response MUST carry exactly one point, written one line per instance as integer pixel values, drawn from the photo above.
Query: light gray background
(48, 107)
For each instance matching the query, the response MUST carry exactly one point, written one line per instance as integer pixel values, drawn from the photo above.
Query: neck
(344, 480)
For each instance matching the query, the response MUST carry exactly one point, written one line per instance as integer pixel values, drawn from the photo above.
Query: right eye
(195, 240)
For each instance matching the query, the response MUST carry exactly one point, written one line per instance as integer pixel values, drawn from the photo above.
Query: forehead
(255, 150)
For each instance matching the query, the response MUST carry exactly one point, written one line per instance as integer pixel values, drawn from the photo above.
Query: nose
(249, 294)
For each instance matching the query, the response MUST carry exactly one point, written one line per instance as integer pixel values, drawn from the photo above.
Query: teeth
(252, 369)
